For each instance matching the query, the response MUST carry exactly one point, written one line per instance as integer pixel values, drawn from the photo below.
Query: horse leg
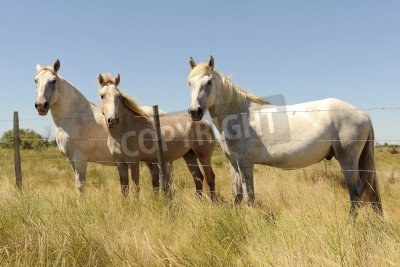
(79, 167)
(237, 190)
(354, 186)
(135, 176)
(168, 173)
(154, 172)
(246, 169)
(210, 176)
(71, 162)
(123, 177)
(191, 162)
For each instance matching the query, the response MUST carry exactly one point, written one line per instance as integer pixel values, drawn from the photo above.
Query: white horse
(289, 137)
(81, 129)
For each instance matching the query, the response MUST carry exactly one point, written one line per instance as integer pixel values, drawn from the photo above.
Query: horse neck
(129, 121)
(70, 103)
(228, 105)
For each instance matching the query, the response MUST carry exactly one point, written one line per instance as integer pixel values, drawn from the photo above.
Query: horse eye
(35, 80)
(53, 81)
(102, 96)
(209, 82)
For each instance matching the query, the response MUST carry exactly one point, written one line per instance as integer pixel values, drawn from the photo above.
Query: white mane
(230, 92)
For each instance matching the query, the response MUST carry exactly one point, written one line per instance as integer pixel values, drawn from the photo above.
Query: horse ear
(38, 67)
(117, 79)
(56, 66)
(192, 63)
(211, 63)
(100, 79)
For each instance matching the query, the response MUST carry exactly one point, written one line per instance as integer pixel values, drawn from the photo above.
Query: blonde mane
(132, 105)
(238, 94)
(231, 92)
(107, 78)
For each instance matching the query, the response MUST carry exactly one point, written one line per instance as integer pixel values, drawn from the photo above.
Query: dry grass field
(300, 218)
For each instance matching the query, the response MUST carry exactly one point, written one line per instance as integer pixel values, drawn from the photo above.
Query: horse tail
(368, 176)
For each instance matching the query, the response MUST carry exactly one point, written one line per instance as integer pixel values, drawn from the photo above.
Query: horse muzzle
(112, 122)
(196, 114)
(42, 107)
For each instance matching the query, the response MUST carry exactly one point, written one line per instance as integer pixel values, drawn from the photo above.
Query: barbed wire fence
(17, 158)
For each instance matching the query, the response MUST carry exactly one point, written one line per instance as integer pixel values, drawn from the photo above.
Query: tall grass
(300, 219)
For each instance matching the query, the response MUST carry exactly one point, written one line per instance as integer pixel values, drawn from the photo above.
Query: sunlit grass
(300, 218)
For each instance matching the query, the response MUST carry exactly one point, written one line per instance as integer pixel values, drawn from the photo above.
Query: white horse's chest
(115, 148)
(62, 138)
(230, 148)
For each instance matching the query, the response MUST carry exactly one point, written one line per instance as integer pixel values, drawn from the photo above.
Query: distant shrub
(29, 140)
(393, 150)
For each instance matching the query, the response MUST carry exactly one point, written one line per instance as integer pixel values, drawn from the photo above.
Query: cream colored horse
(289, 137)
(132, 136)
(80, 127)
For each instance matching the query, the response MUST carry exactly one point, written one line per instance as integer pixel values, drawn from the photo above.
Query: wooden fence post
(17, 157)
(160, 151)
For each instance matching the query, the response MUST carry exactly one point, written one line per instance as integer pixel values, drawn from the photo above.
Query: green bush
(29, 140)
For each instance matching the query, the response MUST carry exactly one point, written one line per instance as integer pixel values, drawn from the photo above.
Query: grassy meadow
(300, 218)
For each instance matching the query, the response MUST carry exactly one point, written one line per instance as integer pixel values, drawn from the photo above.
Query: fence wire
(392, 173)
(217, 140)
(240, 113)
(214, 165)
(395, 174)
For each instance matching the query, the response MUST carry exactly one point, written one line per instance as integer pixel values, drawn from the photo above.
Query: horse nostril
(112, 121)
(196, 114)
(36, 105)
(46, 105)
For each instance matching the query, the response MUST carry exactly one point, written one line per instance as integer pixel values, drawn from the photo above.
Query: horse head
(110, 98)
(202, 81)
(46, 81)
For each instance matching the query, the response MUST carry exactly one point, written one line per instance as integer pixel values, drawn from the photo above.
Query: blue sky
(304, 50)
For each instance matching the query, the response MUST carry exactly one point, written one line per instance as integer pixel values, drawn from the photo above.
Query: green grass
(300, 218)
